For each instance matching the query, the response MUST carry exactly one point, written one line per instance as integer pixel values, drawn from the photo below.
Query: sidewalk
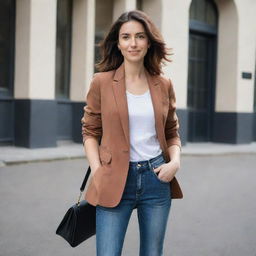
(15, 155)
(215, 217)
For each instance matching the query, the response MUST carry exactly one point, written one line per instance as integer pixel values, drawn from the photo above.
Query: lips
(134, 52)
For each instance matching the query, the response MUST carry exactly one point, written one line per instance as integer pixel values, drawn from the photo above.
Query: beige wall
(235, 51)
(121, 6)
(172, 17)
(236, 54)
(22, 49)
(153, 9)
(246, 53)
(104, 16)
(82, 60)
(227, 56)
(175, 30)
(35, 49)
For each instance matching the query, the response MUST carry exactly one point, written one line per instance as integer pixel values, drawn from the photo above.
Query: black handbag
(79, 222)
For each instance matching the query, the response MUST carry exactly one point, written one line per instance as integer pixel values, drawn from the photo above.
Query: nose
(133, 42)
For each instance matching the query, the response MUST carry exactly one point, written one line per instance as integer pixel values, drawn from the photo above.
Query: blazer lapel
(157, 102)
(119, 90)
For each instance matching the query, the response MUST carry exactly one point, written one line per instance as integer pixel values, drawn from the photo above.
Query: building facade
(48, 49)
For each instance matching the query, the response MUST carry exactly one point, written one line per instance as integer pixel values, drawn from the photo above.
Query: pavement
(216, 217)
(10, 155)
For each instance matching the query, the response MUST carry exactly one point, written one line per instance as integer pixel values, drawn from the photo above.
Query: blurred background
(48, 51)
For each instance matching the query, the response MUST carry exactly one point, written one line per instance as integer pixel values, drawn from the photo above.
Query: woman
(130, 137)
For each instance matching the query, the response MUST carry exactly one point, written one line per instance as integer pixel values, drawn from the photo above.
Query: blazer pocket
(105, 156)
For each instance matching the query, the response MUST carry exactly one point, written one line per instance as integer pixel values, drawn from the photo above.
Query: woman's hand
(166, 172)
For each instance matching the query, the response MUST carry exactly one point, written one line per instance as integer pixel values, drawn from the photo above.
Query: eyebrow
(136, 33)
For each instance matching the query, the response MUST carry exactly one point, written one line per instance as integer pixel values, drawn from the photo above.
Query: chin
(135, 60)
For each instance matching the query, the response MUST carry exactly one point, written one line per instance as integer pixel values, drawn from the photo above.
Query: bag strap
(84, 183)
(85, 179)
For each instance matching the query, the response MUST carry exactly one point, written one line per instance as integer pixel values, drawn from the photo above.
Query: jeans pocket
(156, 165)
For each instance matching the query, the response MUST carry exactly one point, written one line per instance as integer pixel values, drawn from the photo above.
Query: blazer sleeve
(172, 123)
(91, 120)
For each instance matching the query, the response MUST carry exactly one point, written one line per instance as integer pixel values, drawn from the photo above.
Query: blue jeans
(151, 196)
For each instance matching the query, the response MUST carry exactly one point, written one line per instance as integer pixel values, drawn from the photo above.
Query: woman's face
(133, 41)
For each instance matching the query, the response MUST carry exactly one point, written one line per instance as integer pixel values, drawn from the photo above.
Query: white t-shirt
(143, 141)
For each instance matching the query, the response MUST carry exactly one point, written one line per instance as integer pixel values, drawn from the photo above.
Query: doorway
(201, 69)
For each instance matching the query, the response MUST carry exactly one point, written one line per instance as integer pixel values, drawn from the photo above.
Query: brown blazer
(106, 118)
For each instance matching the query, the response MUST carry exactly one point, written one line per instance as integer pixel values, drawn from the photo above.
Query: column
(82, 60)
(35, 109)
(233, 121)
(121, 6)
(175, 30)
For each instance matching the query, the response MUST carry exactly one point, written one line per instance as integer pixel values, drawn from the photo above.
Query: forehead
(132, 26)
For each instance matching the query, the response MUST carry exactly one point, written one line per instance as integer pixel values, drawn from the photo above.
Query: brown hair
(112, 58)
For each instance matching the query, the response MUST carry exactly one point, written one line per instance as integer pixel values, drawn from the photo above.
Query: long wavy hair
(112, 58)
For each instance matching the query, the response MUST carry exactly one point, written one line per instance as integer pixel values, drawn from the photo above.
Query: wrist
(175, 162)
(95, 167)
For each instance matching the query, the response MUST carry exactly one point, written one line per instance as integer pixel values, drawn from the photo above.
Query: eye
(141, 36)
(125, 37)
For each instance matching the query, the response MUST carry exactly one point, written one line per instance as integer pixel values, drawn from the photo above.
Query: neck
(134, 71)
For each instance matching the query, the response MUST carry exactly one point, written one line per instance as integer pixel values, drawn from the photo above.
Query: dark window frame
(63, 92)
(139, 5)
(7, 93)
(199, 11)
(198, 112)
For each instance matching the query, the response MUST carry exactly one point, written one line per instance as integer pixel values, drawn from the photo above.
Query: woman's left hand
(167, 171)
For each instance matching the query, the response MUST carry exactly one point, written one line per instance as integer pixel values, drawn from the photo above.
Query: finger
(157, 170)
(154, 169)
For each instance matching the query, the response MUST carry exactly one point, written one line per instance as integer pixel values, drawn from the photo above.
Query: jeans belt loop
(150, 166)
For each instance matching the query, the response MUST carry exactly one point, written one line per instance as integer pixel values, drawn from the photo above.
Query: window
(139, 5)
(7, 18)
(204, 11)
(201, 70)
(103, 22)
(63, 48)
(198, 88)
